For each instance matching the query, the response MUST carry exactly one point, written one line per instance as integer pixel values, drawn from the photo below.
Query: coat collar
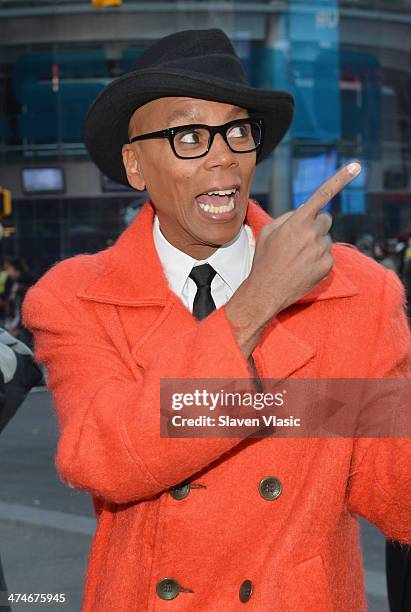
(130, 272)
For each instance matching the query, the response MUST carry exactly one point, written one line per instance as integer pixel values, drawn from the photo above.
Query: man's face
(178, 187)
(14, 273)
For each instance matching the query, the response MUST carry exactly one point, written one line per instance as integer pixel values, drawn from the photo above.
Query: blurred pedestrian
(21, 279)
(365, 244)
(403, 244)
(405, 268)
(382, 254)
(5, 285)
(18, 374)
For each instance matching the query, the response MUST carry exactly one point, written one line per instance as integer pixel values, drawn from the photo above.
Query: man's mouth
(218, 202)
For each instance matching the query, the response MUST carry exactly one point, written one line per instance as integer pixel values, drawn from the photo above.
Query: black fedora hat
(193, 63)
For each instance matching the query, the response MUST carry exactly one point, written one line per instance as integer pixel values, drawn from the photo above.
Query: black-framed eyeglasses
(195, 140)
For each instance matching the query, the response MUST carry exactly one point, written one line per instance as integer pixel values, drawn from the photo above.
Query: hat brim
(106, 124)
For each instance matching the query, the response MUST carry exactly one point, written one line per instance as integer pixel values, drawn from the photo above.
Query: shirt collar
(176, 264)
(232, 260)
(225, 260)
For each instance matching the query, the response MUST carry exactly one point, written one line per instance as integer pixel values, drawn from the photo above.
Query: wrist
(247, 317)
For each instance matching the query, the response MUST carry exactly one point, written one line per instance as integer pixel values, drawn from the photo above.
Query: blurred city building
(347, 62)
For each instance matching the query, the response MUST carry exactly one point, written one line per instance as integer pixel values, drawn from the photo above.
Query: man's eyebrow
(189, 114)
(181, 114)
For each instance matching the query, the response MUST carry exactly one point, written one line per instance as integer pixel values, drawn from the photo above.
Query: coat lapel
(129, 276)
(336, 284)
(280, 351)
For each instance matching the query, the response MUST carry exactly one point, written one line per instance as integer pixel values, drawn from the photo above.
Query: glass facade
(347, 64)
(53, 229)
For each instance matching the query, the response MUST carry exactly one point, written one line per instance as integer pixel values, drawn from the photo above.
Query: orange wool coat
(108, 329)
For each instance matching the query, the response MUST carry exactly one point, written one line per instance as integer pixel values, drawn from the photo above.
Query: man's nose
(220, 153)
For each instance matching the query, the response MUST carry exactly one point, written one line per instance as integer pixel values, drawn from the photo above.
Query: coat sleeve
(109, 419)
(380, 482)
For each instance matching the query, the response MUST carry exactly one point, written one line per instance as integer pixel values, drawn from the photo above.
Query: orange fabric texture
(108, 328)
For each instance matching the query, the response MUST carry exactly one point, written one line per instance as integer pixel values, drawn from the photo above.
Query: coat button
(167, 588)
(270, 488)
(180, 491)
(245, 591)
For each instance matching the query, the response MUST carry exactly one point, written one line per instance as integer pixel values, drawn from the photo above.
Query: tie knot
(202, 275)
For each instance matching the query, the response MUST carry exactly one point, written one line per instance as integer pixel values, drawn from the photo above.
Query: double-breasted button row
(270, 488)
(168, 589)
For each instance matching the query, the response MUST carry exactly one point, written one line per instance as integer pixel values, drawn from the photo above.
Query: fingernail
(354, 168)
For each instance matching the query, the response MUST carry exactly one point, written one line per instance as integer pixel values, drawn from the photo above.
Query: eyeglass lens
(241, 138)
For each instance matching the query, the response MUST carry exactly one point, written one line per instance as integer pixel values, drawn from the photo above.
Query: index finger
(329, 189)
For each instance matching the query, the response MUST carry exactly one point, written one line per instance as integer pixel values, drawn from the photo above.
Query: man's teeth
(222, 193)
(218, 209)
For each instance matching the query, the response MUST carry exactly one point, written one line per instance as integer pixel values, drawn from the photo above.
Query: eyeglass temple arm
(160, 134)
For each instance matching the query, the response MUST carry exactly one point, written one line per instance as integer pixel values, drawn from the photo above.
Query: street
(46, 527)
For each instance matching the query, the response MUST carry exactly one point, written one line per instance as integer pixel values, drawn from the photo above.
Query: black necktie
(203, 302)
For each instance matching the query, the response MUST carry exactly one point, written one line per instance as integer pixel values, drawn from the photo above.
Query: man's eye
(189, 137)
(239, 131)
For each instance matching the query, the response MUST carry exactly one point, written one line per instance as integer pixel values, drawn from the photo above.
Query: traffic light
(102, 3)
(6, 205)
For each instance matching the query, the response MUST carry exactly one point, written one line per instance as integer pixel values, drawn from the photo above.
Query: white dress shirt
(232, 263)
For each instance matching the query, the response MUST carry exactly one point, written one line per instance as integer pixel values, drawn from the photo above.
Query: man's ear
(132, 167)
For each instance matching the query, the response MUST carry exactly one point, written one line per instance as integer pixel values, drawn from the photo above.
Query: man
(222, 523)
(20, 280)
(18, 374)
